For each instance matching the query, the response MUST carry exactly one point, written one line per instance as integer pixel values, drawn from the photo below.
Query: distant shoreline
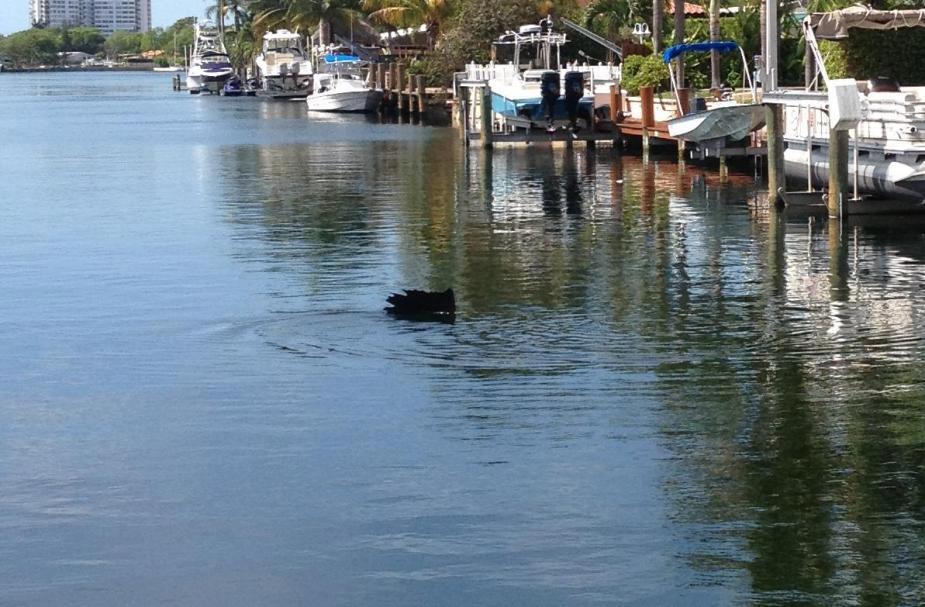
(146, 67)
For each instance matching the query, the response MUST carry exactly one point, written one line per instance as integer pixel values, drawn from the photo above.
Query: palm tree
(233, 8)
(304, 16)
(658, 16)
(412, 13)
(608, 16)
(714, 37)
(679, 16)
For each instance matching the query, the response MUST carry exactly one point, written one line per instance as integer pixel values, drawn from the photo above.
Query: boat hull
(529, 112)
(197, 80)
(725, 123)
(364, 101)
(875, 176)
(287, 87)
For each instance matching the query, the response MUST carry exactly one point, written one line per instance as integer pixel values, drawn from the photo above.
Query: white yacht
(887, 147)
(209, 65)
(285, 70)
(339, 86)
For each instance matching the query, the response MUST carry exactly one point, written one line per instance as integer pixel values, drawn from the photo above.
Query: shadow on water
(779, 361)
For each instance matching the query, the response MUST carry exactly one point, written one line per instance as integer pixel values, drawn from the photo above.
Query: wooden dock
(406, 95)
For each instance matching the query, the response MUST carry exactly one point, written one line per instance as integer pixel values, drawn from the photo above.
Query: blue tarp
(329, 58)
(723, 46)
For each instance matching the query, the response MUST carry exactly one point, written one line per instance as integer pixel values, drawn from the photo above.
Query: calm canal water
(654, 392)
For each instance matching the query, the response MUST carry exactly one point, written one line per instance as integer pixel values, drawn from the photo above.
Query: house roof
(698, 12)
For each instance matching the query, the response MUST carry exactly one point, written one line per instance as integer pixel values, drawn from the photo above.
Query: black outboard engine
(549, 86)
(574, 91)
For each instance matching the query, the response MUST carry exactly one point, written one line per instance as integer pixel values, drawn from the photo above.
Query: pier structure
(636, 122)
(838, 193)
(406, 95)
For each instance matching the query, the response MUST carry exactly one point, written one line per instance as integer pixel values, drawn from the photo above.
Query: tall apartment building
(106, 15)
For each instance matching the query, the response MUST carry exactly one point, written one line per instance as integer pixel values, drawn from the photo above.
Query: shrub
(641, 71)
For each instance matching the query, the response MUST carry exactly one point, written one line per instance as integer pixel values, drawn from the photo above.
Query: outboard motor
(574, 91)
(549, 86)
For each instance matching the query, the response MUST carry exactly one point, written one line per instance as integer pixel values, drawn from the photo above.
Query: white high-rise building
(106, 15)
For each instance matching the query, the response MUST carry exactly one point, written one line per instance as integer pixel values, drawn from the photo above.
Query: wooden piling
(400, 86)
(615, 107)
(485, 130)
(838, 172)
(684, 101)
(774, 118)
(421, 92)
(463, 102)
(647, 100)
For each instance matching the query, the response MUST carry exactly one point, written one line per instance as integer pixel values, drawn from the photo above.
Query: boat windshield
(290, 46)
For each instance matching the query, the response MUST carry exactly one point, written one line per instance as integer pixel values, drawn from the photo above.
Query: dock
(613, 124)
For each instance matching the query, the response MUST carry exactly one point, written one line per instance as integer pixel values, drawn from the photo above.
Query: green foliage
(32, 47)
(898, 54)
(836, 60)
(641, 71)
(85, 39)
(470, 34)
(123, 43)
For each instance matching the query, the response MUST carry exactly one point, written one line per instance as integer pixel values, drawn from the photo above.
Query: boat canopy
(835, 24)
(723, 46)
(339, 58)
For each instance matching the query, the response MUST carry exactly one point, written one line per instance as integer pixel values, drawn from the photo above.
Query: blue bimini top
(723, 46)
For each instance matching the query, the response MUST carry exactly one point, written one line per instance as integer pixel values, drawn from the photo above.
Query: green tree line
(42, 46)
(459, 31)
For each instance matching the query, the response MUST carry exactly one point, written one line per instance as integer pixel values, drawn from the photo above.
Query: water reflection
(780, 363)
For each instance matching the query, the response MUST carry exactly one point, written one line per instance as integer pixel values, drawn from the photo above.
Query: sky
(14, 14)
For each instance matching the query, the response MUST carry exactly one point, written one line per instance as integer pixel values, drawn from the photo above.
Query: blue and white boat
(517, 87)
(209, 66)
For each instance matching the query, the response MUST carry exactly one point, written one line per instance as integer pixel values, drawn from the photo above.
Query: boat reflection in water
(710, 365)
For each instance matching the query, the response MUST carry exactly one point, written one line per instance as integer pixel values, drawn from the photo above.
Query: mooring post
(684, 106)
(400, 86)
(485, 131)
(464, 120)
(774, 118)
(421, 92)
(838, 172)
(723, 169)
(647, 101)
(616, 105)
(684, 101)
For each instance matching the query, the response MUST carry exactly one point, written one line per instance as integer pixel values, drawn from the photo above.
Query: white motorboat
(285, 70)
(339, 86)
(887, 146)
(731, 122)
(209, 66)
(719, 122)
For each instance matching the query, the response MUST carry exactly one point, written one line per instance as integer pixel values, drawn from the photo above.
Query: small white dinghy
(730, 122)
(720, 121)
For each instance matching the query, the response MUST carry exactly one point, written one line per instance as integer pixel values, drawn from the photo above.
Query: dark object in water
(422, 303)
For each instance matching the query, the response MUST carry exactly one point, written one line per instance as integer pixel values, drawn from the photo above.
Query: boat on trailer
(518, 88)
